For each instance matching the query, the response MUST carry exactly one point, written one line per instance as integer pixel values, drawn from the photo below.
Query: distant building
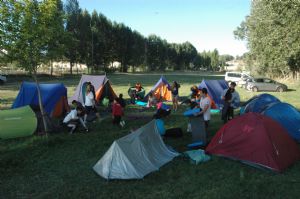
(62, 65)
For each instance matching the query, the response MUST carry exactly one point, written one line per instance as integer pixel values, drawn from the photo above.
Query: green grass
(60, 165)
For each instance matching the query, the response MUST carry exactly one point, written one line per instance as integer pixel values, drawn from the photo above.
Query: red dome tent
(257, 140)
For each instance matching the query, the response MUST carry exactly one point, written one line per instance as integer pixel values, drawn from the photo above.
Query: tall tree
(123, 40)
(172, 56)
(198, 61)
(73, 11)
(154, 46)
(56, 46)
(28, 41)
(85, 38)
(272, 31)
(189, 54)
(137, 50)
(102, 41)
(215, 59)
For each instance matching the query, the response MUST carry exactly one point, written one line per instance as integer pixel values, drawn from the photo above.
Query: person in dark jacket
(231, 100)
(122, 101)
(175, 94)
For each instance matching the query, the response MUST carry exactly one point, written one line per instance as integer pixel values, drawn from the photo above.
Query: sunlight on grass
(60, 165)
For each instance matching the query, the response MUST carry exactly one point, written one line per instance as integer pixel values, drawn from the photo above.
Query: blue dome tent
(54, 97)
(215, 89)
(258, 103)
(287, 115)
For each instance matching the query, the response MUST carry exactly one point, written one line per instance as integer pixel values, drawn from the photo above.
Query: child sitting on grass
(151, 100)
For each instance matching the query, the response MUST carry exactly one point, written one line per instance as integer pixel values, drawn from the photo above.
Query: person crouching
(117, 112)
(72, 119)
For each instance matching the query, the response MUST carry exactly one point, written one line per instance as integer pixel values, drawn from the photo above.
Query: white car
(236, 77)
(2, 79)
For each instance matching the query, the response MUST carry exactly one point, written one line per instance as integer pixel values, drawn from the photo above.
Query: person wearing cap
(231, 100)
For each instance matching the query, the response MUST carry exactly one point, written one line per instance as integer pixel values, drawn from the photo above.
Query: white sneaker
(122, 123)
(189, 128)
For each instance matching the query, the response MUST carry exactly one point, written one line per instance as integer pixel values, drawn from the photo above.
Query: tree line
(272, 32)
(39, 32)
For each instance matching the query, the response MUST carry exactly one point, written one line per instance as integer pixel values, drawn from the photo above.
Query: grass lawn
(60, 165)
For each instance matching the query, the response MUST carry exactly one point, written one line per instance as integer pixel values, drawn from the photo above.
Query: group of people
(164, 110)
(174, 88)
(199, 99)
(136, 93)
(80, 113)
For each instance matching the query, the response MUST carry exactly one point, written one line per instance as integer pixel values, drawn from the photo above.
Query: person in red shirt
(117, 112)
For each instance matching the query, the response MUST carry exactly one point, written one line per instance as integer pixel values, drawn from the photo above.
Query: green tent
(19, 122)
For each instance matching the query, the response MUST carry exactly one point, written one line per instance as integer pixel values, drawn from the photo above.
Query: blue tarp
(287, 115)
(258, 103)
(51, 94)
(191, 112)
(215, 89)
(160, 126)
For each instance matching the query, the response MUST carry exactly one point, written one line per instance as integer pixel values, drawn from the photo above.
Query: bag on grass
(174, 132)
(197, 156)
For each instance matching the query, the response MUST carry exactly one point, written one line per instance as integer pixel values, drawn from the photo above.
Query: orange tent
(161, 90)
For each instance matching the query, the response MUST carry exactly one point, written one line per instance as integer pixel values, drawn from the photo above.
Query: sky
(207, 24)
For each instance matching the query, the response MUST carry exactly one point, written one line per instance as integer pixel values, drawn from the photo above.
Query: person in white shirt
(90, 103)
(205, 106)
(71, 120)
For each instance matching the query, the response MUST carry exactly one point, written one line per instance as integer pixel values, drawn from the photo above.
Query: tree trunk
(71, 67)
(40, 102)
(51, 68)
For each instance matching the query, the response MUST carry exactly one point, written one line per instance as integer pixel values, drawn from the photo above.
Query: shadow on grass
(290, 90)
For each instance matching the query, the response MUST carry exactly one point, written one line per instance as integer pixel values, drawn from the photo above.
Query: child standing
(151, 100)
(175, 94)
(117, 112)
(122, 102)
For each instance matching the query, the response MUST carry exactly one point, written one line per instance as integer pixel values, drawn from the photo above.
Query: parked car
(244, 80)
(265, 84)
(2, 79)
(235, 76)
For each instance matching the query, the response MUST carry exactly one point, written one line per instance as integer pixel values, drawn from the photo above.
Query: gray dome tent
(135, 155)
